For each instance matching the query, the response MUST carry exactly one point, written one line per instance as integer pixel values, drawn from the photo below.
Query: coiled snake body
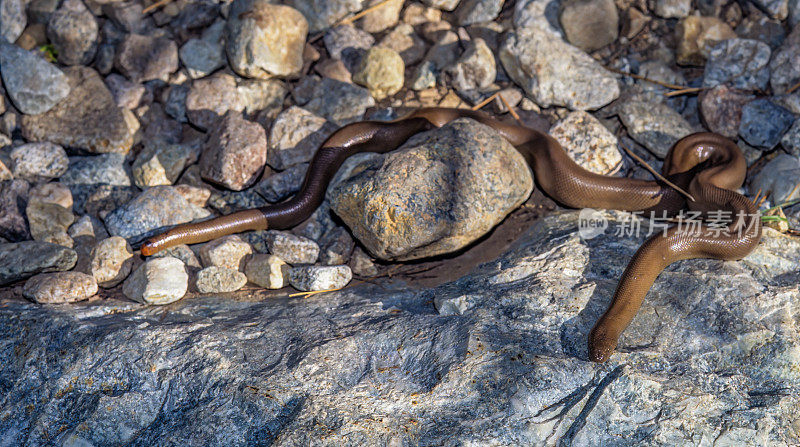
(708, 165)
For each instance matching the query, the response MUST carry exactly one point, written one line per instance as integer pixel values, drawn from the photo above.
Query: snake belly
(709, 166)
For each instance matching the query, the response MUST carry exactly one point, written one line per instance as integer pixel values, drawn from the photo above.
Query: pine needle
(654, 172)
(155, 5)
(362, 13)
(313, 292)
(642, 78)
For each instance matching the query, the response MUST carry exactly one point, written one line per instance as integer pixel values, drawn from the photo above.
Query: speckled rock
(59, 287)
(742, 63)
(268, 271)
(88, 119)
(476, 11)
(405, 42)
(265, 40)
(697, 35)
(322, 14)
(34, 161)
(227, 202)
(210, 98)
(219, 280)
(281, 185)
(671, 9)
(49, 213)
(146, 58)
(780, 176)
(32, 84)
(292, 248)
(382, 18)
(235, 152)
(12, 19)
(785, 64)
(552, 72)
(588, 142)
(104, 169)
(764, 123)
(161, 163)
(589, 24)
(339, 102)
(442, 54)
(73, 31)
(791, 139)
(312, 277)
(126, 94)
(228, 252)
(111, 261)
(654, 125)
(202, 56)
(21, 260)
(13, 200)
(402, 205)
(151, 211)
(382, 72)
(721, 109)
(295, 137)
(474, 70)
(157, 281)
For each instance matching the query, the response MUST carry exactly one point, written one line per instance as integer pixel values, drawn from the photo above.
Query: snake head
(601, 344)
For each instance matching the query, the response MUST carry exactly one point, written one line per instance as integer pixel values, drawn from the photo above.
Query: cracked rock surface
(711, 357)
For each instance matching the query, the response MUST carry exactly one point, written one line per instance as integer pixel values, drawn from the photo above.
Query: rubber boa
(709, 166)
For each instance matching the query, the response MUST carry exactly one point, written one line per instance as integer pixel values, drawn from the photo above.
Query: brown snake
(708, 165)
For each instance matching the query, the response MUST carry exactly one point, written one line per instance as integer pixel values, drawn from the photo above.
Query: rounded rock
(290, 247)
(73, 31)
(311, 277)
(268, 271)
(228, 251)
(264, 39)
(697, 35)
(381, 71)
(475, 69)
(235, 153)
(590, 24)
(158, 281)
(39, 161)
(764, 123)
(111, 261)
(219, 280)
(60, 287)
(588, 142)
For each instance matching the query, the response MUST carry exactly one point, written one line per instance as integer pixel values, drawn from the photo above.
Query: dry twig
(656, 173)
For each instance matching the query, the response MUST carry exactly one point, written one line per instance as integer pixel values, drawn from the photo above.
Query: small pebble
(235, 153)
(145, 58)
(157, 281)
(335, 247)
(474, 70)
(291, 248)
(312, 277)
(227, 251)
(588, 142)
(382, 18)
(477, 11)
(361, 264)
(405, 41)
(743, 63)
(210, 98)
(721, 109)
(111, 261)
(154, 208)
(781, 177)
(59, 287)
(21, 260)
(161, 163)
(654, 125)
(268, 271)
(382, 72)
(264, 39)
(791, 139)
(671, 9)
(764, 123)
(219, 280)
(73, 31)
(281, 185)
(104, 169)
(39, 161)
(295, 137)
(348, 44)
(785, 64)
(590, 24)
(339, 102)
(49, 213)
(697, 35)
(126, 94)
